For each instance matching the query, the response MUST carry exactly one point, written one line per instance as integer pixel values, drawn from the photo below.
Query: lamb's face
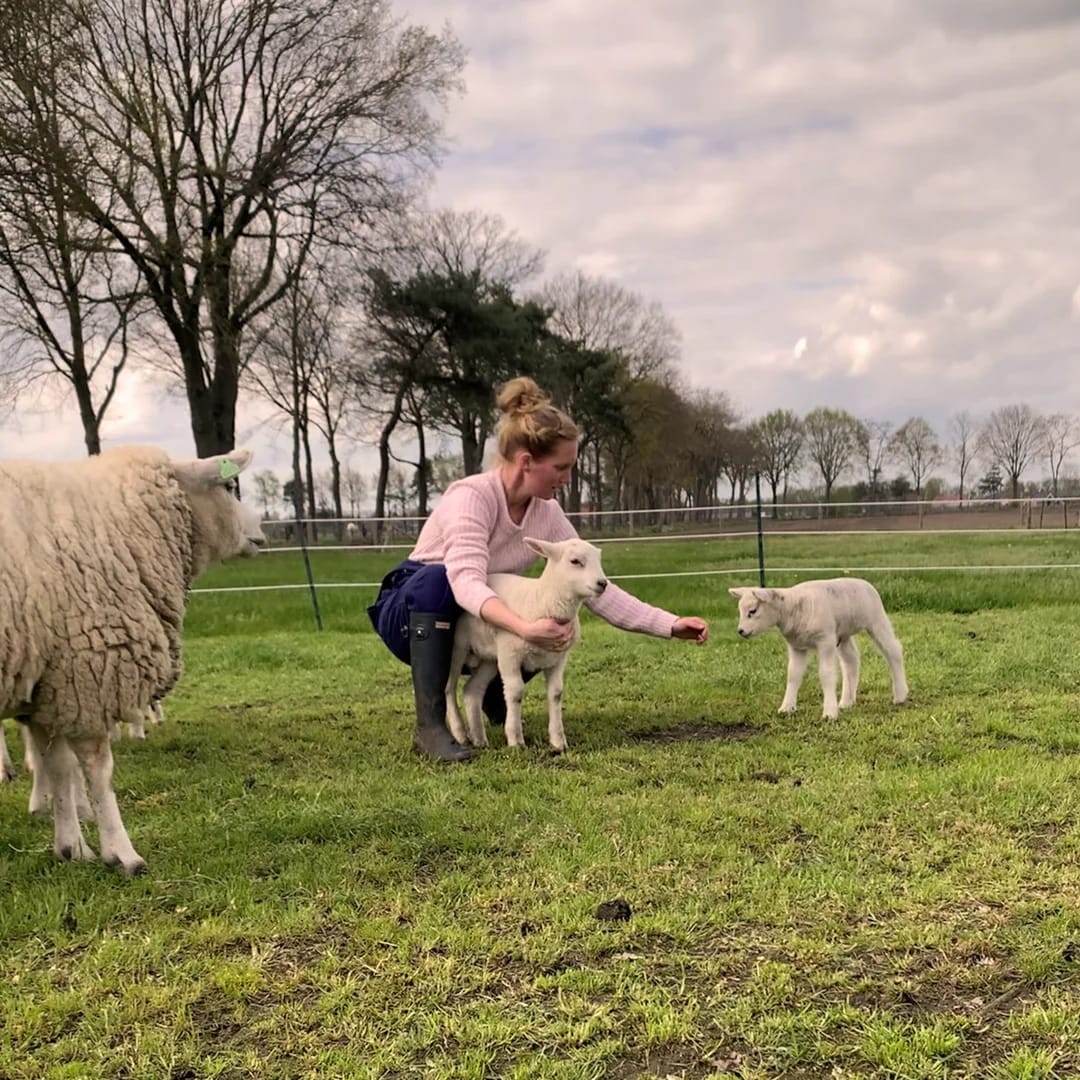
(577, 565)
(582, 566)
(758, 611)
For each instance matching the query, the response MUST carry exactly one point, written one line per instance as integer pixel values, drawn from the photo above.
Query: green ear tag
(228, 469)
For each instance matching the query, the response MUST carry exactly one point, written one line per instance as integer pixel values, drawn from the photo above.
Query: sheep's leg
(797, 660)
(514, 689)
(554, 677)
(7, 769)
(827, 663)
(453, 713)
(40, 788)
(889, 644)
(475, 689)
(54, 758)
(41, 785)
(849, 671)
(95, 756)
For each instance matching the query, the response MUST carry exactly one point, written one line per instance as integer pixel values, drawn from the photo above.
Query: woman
(478, 528)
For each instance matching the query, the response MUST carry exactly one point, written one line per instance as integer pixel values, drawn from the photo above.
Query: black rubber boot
(494, 704)
(431, 641)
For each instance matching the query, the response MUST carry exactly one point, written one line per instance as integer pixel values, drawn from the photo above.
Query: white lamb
(824, 616)
(571, 576)
(98, 559)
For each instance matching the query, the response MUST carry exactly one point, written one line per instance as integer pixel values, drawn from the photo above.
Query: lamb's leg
(54, 758)
(514, 688)
(554, 677)
(889, 644)
(797, 660)
(95, 756)
(827, 663)
(475, 689)
(849, 671)
(7, 769)
(453, 714)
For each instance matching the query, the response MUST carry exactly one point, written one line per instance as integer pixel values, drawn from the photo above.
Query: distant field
(892, 894)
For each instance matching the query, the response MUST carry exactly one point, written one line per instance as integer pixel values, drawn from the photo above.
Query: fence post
(760, 534)
(300, 532)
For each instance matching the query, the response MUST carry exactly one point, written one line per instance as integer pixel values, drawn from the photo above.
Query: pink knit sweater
(471, 533)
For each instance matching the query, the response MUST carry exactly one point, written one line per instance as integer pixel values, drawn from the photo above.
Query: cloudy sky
(874, 206)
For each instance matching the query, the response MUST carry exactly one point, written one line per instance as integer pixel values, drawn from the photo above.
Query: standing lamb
(571, 575)
(99, 557)
(824, 615)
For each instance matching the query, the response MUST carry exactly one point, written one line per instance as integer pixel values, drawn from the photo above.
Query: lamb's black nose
(743, 633)
(601, 584)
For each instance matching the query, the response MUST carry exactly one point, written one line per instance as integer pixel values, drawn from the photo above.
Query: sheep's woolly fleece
(98, 558)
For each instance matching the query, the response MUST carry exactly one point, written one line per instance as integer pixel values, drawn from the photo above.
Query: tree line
(234, 194)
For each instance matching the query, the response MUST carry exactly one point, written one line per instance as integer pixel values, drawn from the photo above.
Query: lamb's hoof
(6, 772)
(899, 700)
(830, 714)
(846, 704)
(786, 710)
(558, 748)
(132, 868)
(78, 852)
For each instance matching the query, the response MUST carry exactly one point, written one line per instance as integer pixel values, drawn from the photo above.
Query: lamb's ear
(541, 547)
(219, 469)
(737, 592)
(765, 596)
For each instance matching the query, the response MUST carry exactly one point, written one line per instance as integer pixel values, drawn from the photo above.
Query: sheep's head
(226, 526)
(759, 610)
(574, 564)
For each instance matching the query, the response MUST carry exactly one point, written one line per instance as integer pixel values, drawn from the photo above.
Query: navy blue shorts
(410, 586)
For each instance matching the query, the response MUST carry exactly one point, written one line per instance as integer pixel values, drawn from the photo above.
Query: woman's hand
(691, 628)
(549, 634)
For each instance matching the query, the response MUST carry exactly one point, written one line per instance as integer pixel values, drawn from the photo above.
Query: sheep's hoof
(786, 710)
(6, 772)
(830, 714)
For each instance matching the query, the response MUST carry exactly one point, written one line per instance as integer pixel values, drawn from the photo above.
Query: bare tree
(462, 242)
(267, 490)
(1012, 437)
(354, 487)
(1060, 435)
(916, 446)
(779, 438)
(594, 313)
(964, 432)
(832, 437)
(872, 439)
(207, 138)
(65, 303)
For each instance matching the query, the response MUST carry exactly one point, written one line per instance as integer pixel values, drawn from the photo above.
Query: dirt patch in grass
(700, 732)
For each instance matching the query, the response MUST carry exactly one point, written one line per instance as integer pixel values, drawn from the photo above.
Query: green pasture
(892, 894)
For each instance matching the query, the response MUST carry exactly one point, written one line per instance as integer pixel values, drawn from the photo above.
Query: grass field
(893, 894)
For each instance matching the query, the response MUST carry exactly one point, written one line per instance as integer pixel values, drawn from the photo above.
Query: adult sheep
(98, 559)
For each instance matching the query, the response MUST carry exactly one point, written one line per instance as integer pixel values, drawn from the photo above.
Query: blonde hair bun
(520, 395)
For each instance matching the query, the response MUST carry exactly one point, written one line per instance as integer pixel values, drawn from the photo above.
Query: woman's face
(544, 476)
